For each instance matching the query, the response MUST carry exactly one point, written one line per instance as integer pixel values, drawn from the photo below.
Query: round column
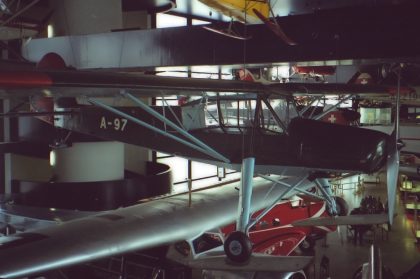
(88, 161)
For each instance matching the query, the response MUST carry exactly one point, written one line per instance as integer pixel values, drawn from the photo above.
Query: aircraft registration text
(118, 124)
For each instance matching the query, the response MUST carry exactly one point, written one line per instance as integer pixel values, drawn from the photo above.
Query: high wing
(21, 217)
(154, 223)
(100, 83)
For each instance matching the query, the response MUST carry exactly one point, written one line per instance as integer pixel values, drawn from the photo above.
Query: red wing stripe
(16, 80)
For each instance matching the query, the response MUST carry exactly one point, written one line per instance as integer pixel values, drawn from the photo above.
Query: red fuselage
(275, 235)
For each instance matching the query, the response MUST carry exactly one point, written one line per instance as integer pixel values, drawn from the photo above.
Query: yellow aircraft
(247, 11)
(240, 10)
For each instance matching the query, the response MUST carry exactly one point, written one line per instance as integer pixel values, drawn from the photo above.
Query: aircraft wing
(257, 262)
(75, 83)
(27, 217)
(102, 84)
(137, 227)
(305, 89)
(366, 219)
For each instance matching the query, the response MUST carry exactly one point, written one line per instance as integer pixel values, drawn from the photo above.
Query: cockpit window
(245, 113)
(206, 242)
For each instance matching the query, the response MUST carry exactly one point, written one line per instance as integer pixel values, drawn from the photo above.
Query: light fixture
(50, 31)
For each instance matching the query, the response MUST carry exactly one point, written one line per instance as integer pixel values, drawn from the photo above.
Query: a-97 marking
(117, 123)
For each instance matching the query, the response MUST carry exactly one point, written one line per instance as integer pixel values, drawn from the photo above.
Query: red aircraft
(274, 233)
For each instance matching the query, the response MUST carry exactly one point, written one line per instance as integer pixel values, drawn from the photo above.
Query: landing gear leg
(237, 246)
(325, 188)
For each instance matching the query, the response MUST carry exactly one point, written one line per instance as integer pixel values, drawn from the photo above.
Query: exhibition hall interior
(214, 139)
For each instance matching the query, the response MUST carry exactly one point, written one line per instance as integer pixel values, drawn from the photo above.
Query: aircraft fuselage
(307, 143)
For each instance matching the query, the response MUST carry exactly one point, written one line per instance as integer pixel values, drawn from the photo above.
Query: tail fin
(275, 27)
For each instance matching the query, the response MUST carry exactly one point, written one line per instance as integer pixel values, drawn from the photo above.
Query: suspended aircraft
(303, 148)
(317, 73)
(246, 11)
(241, 11)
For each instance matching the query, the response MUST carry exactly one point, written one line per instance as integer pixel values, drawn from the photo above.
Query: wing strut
(324, 186)
(394, 155)
(314, 108)
(175, 127)
(289, 186)
(276, 117)
(199, 148)
(238, 246)
(267, 209)
(172, 111)
(302, 112)
(245, 194)
(319, 116)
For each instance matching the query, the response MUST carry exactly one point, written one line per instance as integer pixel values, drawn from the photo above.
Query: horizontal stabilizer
(257, 262)
(365, 219)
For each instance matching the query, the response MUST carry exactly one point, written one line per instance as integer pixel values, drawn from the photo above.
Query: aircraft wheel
(342, 206)
(238, 247)
(307, 245)
(298, 275)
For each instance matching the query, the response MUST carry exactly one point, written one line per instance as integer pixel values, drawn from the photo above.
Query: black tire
(238, 247)
(307, 245)
(298, 275)
(342, 206)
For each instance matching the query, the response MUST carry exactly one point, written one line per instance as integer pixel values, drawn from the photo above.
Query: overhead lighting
(52, 158)
(50, 30)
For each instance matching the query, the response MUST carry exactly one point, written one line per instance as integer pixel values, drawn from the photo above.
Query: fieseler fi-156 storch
(243, 129)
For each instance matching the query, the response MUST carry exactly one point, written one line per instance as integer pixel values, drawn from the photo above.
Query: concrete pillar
(88, 161)
(29, 168)
(135, 157)
(81, 17)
